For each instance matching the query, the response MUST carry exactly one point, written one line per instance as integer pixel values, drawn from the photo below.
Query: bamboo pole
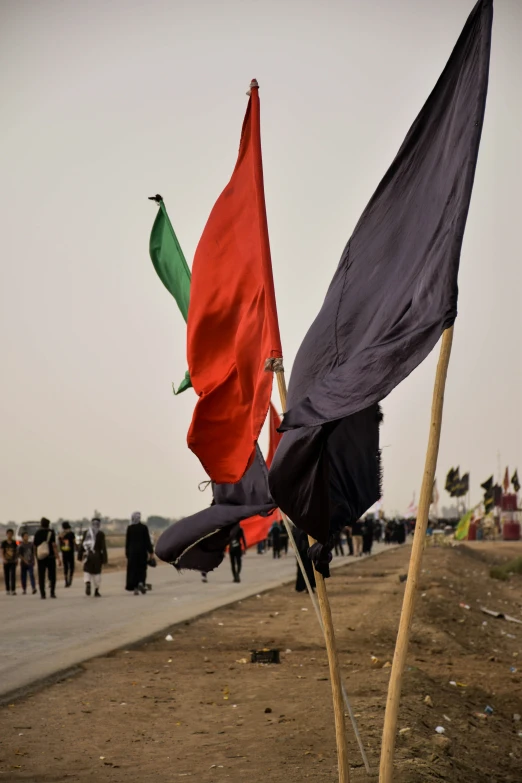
(403, 635)
(328, 629)
(313, 599)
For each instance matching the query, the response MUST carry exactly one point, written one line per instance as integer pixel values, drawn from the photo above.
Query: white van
(26, 527)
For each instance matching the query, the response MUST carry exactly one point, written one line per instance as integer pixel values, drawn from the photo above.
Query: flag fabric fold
(198, 542)
(232, 320)
(392, 296)
(452, 481)
(171, 266)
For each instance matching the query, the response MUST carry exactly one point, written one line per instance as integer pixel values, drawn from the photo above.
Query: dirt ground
(197, 708)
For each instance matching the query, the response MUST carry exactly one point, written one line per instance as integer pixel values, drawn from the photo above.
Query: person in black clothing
(10, 559)
(275, 533)
(283, 538)
(339, 544)
(236, 548)
(67, 541)
(349, 540)
(400, 531)
(138, 550)
(367, 534)
(301, 542)
(47, 555)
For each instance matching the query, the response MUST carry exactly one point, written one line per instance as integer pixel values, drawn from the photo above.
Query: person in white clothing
(93, 552)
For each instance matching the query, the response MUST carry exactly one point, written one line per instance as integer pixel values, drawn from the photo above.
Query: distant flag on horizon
(452, 480)
(412, 509)
(232, 321)
(170, 264)
(462, 488)
(506, 482)
(462, 529)
(489, 494)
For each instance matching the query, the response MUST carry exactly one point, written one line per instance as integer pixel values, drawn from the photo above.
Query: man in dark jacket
(236, 548)
(47, 555)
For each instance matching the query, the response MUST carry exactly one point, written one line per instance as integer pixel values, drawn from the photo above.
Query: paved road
(40, 638)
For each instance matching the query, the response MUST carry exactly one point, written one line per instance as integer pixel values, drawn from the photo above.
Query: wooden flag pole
(403, 636)
(276, 365)
(313, 599)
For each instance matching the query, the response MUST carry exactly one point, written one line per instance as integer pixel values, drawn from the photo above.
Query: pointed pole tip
(253, 84)
(157, 198)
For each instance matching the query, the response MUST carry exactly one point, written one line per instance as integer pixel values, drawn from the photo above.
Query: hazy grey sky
(107, 102)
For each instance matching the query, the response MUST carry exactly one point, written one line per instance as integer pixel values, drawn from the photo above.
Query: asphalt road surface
(41, 638)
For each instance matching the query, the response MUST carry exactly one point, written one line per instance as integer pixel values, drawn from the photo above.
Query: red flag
(506, 482)
(274, 435)
(232, 318)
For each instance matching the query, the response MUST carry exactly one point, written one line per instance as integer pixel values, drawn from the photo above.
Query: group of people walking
(47, 552)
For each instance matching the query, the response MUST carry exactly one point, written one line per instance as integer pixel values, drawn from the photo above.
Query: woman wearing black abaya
(138, 549)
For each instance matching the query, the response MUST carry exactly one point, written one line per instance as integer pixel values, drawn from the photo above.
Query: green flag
(462, 528)
(171, 266)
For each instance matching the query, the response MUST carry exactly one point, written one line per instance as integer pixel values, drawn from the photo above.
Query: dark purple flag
(198, 542)
(392, 296)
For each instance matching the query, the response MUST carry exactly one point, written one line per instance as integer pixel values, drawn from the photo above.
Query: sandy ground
(195, 708)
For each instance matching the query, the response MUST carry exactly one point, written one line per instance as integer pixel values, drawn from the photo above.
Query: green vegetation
(503, 572)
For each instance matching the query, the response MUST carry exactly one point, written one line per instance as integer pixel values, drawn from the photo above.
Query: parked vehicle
(26, 527)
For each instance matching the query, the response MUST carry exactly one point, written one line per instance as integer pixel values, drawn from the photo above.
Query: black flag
(198, 542)
(489, 494)
(515, 481)
(392, 296)
(452, 481)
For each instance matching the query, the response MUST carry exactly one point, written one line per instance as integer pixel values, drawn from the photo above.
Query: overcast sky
(109, 101)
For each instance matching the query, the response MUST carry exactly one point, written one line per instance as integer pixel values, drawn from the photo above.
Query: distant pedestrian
(236, 548)
(275, 533)
(367, 535)
(400, 531)
(47, 556)
(138, 550)
(349, 540)
(10, 558)
(93, 552)
(67, 541)
(338, 545)
(357, 538)
(26, 555)
(283, 538)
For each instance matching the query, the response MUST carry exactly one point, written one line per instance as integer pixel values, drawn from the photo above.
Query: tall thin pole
(329, 634)
(403, 635)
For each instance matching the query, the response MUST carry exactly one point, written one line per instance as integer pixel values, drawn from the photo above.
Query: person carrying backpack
(47, 555)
